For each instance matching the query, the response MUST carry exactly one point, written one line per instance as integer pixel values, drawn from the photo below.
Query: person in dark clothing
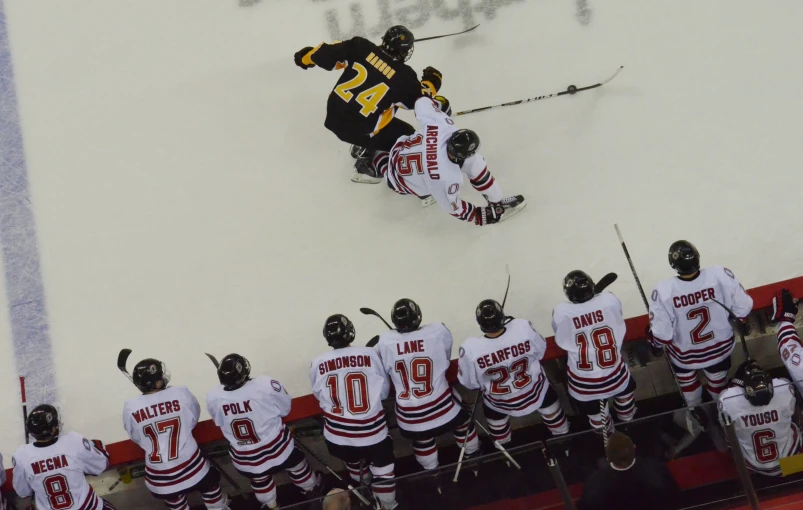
(628, 482)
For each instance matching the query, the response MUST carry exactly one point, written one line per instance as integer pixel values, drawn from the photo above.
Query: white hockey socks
(499, 429)
(302, 476)
(215, 499)
(383, 486)
(715, 382)
(473, 443)
(264, 490)
(426, 453)
(625, 406)
(555, 419)
(690, 387)
(178, 503)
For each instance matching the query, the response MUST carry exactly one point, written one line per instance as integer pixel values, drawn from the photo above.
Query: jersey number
(173, 428)
(604, 347)
(356, 393)
(420, 373)
(369, 98)
(58, 492)
(704, 316)
(520, 380)
(766, 449)
(244, 431)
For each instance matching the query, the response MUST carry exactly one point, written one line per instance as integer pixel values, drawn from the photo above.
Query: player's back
(685, 313)
(417, 362)
(350, 384)
(371, 87)
(250, 418)
(507, 368)
(161, 423)
(592, 334)
(766, 433)
(56, 473)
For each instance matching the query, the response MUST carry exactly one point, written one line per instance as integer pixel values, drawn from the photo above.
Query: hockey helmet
(490, 316)
(684, 258)
(399, 43)
(43, 423)
(233, 372)
(338, 331)
(578, 286)
(757, 384)
(148, 374)
(463, 144)
(406, 315)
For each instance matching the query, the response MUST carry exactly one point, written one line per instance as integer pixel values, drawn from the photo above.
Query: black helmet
(463, 144)
(406, 315)
(233, 372)
(490, 316)
(684, 258)
(43, 423)
(398, 43)
(578, 286)
(757, 383)
(147, 374)
(338, 331)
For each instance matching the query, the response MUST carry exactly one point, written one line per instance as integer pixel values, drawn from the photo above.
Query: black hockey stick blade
(604, 282)
(122, 359)
(446, 35)
(372, 342)
(213, 360)
(368, 311)
(504, 299)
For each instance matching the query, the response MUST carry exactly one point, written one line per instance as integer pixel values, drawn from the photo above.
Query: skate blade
(365, 179)
(512, 212)
(427, 202)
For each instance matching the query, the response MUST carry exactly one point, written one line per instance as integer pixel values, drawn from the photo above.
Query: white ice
(188, 198)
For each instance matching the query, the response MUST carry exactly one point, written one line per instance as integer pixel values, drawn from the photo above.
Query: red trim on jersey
(412, 409)
(367, 421)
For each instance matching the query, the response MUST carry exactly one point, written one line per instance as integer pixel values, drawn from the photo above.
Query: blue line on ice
(26, 296)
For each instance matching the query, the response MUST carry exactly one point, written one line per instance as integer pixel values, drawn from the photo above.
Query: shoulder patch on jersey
(87, 445)
(461, 352)
(729, 273)
(276, 386)
(654, 295)
(454, 188)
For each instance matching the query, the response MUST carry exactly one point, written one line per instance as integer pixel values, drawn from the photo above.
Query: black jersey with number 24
(370, 89)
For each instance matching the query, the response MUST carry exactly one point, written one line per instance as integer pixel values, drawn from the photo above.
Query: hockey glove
(783, 306)
(432, 79)
(445, 105)
(490, 214)
(300, 54)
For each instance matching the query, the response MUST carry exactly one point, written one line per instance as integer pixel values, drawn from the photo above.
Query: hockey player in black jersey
(374, 83)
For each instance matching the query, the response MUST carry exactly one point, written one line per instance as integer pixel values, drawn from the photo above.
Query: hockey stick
(332, 471)
(372, 342)
(24, 410)
(604, 282)
(644, 299)
(368, 311)
(498, 445)
(213, 360)
(446, 35)
(465, 439)
(122, 358)
(735, 321)
(572, 89)
(504, 300)
(605, 417)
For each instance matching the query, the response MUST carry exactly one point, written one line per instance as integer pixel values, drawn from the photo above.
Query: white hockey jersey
(419, 165)
(507, 368)
(251, 419)
(350, 385)
(766, 433)
(685, 319)
(161, 423)
(791, 350)
(417, 363)
(592, 334)
(55, 474)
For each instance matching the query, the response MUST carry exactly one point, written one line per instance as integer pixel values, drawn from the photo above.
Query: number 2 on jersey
(704, 316)
(420, 373)
(369, 98)
(173, 427)
(604, 347)
(499, 386)
(356, 393)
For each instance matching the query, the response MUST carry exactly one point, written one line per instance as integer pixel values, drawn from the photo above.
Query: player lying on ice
(430, 164)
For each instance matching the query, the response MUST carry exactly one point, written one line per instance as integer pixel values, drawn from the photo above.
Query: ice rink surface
(188, 199)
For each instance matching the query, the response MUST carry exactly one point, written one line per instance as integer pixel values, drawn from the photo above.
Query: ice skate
(512, 205)
(365, 172)
(427, 201)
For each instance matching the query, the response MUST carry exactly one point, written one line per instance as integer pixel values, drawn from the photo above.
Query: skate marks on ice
(583, 12)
